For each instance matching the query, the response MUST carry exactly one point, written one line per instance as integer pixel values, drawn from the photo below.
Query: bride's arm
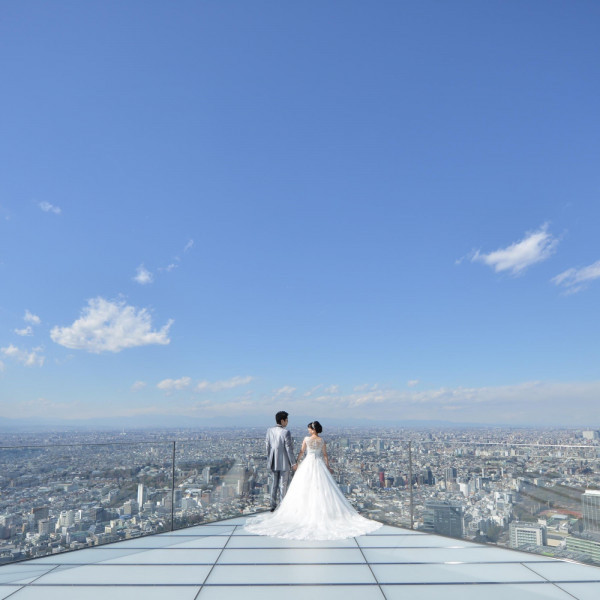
(302, 451)
(326, 457)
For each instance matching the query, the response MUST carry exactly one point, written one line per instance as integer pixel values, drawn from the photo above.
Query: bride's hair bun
(316, 426)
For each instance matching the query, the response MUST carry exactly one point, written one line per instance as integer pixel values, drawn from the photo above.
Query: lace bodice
(314, 446)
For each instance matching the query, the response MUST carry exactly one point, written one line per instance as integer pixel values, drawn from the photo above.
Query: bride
(314, 508)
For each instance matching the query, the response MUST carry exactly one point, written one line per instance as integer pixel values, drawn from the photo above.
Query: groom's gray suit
(280, 459)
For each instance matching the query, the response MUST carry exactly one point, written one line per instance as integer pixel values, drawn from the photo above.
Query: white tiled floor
(223, 561)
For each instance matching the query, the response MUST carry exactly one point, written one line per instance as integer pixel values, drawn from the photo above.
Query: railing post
(410, 478)
(173, 491)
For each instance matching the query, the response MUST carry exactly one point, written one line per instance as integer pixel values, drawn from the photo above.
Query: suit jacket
(280, 449)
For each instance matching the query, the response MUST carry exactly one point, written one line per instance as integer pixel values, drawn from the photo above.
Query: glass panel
(462, 573)
(290, 592)
(581, 591)
(257, 541)
(293, 574)
(67, 497)
(564, 571)
(187, 556)
(543, 591)
(129, 574)
(7, 590)
(535, 497)
(22, 573)
(219, 477)
(292, 556)
(102, 592)
(374, 472)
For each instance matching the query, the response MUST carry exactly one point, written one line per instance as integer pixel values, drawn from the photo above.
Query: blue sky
(381, 210)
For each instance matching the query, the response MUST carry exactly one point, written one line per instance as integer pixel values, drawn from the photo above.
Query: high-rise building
(450, 474)
(444, 517)
(591, 435)
(526, 534)
(590, 507)
(40, 512)
(142, 494)
(206, 474)
(45, 526)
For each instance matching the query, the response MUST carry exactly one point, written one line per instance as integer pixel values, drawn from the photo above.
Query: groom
(280, 457)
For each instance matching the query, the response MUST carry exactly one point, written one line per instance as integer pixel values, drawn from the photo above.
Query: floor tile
(291, 556)
(128, 574)
(291, 574)
(567, 571)
(411, 541)
(22, 572)
(290, 592)
(7, 590)
(201, 530)
(261, 541)
(89, 555)
(106, 592)
(173, 556)
(582, 591)
(217, 541)
(525, 591)
(441, 555)
(462, 573)
(149, 541)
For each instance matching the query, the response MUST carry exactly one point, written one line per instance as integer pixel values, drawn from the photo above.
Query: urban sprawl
(528, 489)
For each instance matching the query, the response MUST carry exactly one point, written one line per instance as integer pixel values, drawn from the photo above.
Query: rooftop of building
(221, 560)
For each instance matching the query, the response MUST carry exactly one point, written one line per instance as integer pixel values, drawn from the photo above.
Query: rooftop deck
(221, 560)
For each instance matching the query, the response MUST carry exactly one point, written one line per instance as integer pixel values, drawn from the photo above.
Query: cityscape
(528, 489)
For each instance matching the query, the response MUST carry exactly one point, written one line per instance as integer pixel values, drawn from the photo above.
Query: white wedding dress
(314, 508)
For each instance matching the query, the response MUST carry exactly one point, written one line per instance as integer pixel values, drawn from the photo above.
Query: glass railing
(542, 498)
(535, 497)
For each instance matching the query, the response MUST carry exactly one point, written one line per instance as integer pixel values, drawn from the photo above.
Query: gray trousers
(279, 483)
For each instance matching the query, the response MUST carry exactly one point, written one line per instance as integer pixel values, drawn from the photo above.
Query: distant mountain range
(181, 421)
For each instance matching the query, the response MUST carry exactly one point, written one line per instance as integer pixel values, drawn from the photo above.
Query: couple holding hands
(311, 506)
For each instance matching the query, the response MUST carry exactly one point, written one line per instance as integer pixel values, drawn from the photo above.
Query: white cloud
(28, 358)
(535, 247)
(143, 276)
(366, 387)
(106, 326)
(28, 318)
(47, 207)
(138, 385)
(189, 246)
(31, 318)
(218, 386)
(575, 280)
(25, 331)
(313, 390)
(170, 267)
(169, 385)
(332, 389)
(412, 382)
(286, 390)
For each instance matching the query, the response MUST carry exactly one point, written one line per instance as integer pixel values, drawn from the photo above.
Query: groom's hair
(281, 416)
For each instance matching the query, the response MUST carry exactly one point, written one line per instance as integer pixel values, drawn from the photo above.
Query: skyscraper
(590, 507)
(142, 495)
(444, 517)
(450, 474)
